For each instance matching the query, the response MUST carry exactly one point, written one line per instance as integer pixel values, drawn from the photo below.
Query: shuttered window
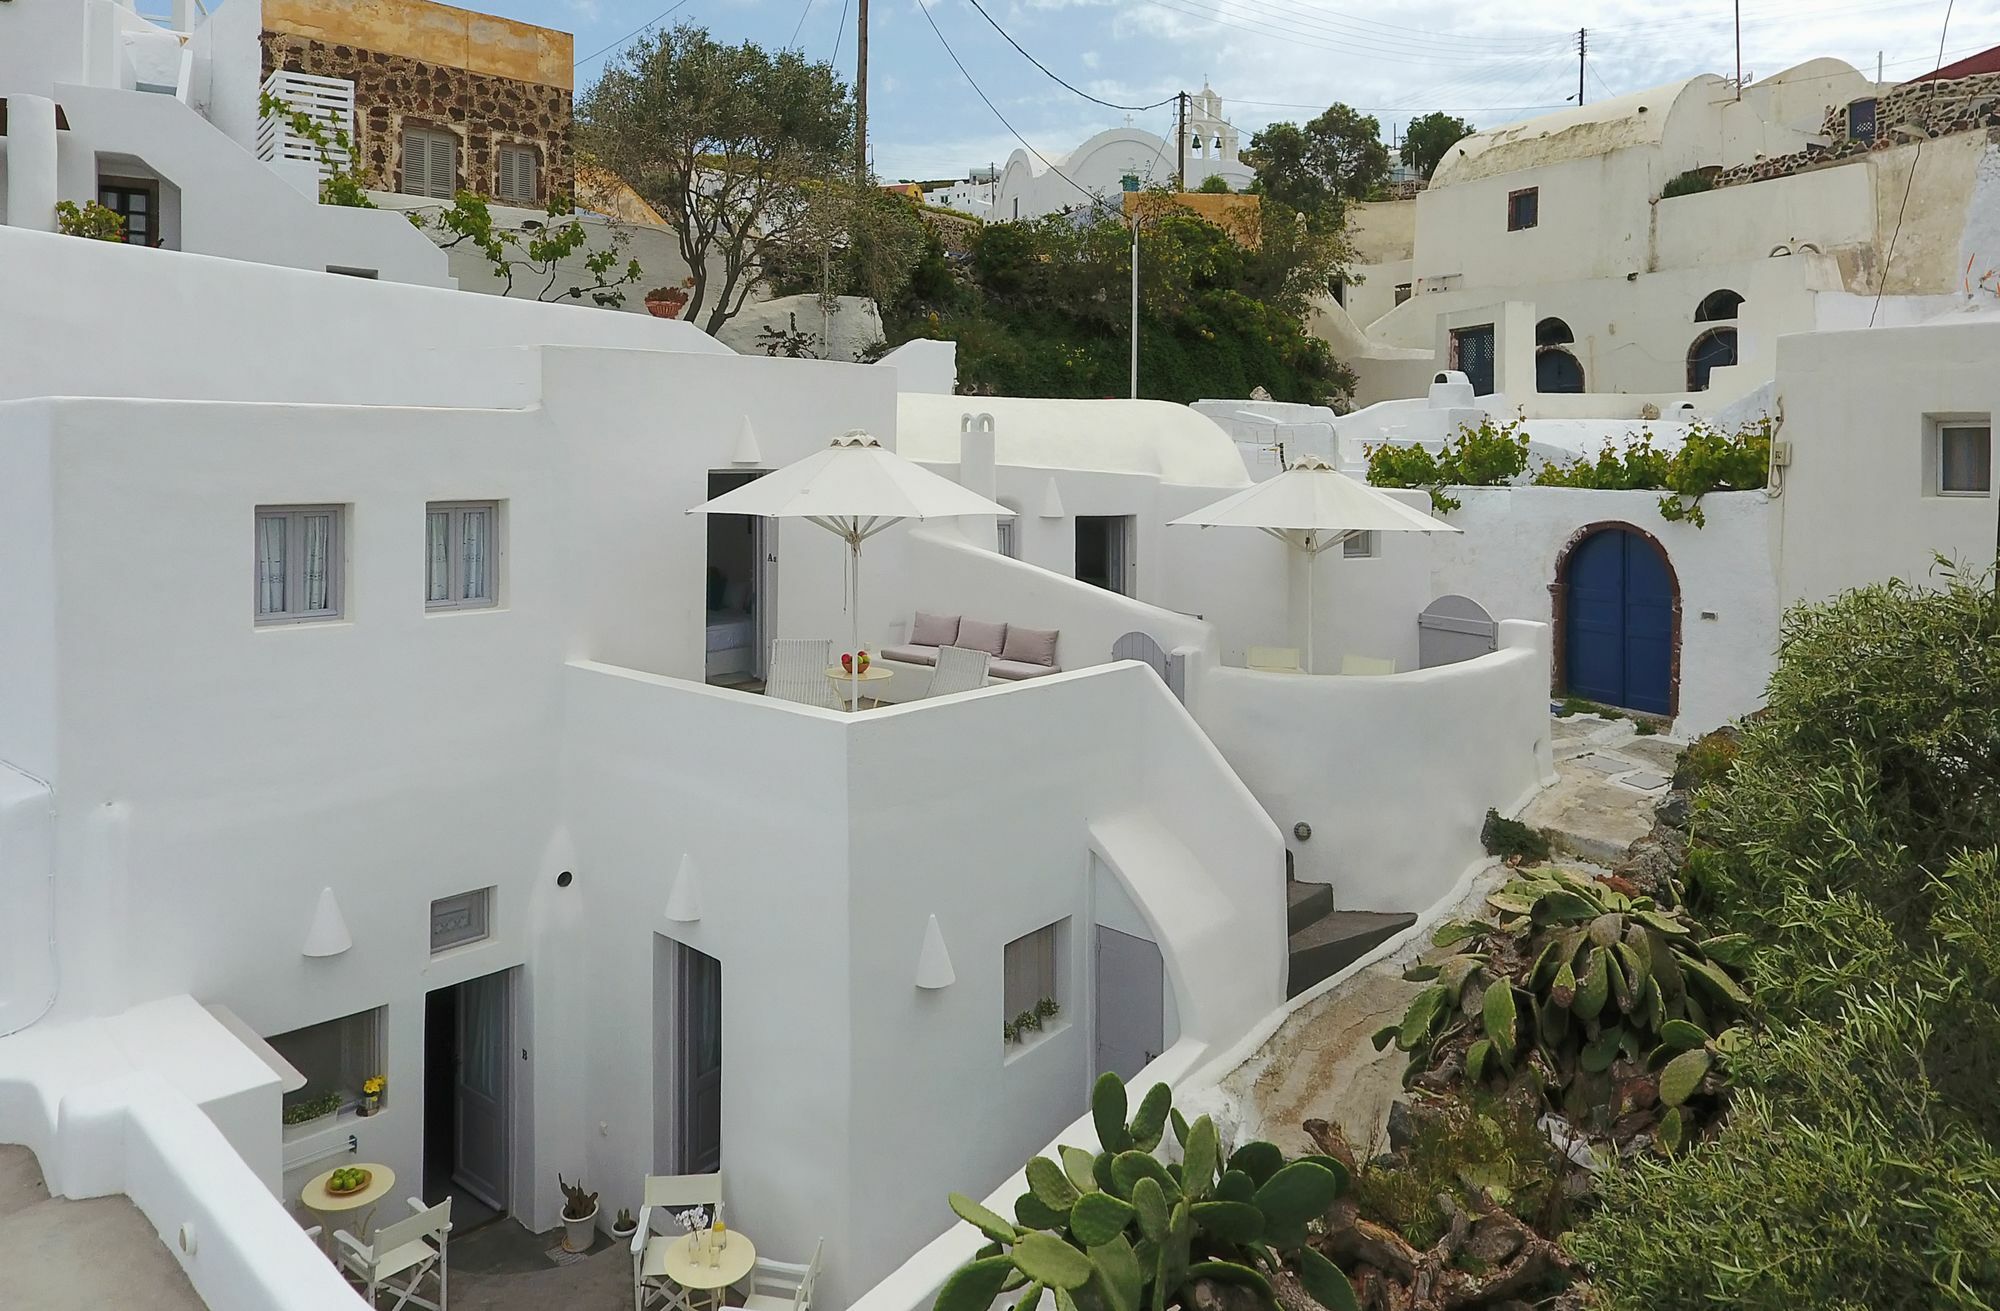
(430, 163)
(519, 170)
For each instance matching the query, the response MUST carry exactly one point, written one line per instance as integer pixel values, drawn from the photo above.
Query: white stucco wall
(1372, 839)
(1506, 560)
(1859, 502)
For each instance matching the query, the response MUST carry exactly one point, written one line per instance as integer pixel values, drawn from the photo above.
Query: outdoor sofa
(1018, 653)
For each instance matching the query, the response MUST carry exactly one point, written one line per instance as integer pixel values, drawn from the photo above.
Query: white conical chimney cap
(684, 898)
(934, 962)
(1052, 506)
(746, 450)
(328, 935)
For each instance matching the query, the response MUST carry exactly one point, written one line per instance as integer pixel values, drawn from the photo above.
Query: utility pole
(1180, 141)
(1582, 46)
(1135, 302)
(1739, 49)
(861, 97)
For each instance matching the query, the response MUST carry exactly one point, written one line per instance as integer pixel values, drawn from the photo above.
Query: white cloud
(1089, 58)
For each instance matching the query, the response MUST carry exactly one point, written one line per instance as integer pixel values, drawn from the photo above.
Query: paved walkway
(1322, 1064)
(62, 1255)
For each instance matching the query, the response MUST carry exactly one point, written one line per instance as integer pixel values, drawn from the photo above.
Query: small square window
(461, 563)
(1402, 292)
(1361, 546)
(1523, 208)
(1965, 459)
(457, 921)
(1031, 995)
(430, 163)
(299, 564)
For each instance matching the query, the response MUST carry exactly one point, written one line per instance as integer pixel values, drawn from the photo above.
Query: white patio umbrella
(1310, 507)
(854, 489)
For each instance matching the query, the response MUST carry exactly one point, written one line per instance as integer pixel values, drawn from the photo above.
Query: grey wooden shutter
(444, 166)
(416, 163)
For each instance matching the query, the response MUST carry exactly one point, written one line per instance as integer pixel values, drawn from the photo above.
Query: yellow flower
(373, 1085)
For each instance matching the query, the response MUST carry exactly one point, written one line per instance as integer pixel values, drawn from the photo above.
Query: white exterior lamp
(933, 961)
(327, 935)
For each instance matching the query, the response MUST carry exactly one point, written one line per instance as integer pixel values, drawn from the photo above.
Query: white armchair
(783, 1286)
(670, 1193)
(798, 673)
(958, 670)
(402, 1256)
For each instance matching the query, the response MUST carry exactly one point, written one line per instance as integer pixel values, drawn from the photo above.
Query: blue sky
(1269, 59)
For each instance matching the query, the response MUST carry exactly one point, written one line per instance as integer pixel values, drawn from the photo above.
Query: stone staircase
(1325, 940)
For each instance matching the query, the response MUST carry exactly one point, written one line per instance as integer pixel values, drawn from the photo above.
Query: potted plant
(371, 1093)
(667, 302)
(623, 1227)
(579, 1216)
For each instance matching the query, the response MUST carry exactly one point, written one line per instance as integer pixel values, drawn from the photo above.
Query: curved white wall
(1394, 773)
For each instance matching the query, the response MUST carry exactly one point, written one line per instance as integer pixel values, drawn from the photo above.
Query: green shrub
(1855, 840)
(1707, 759)
(1510, 838)
(1689, 183)
(1490, 455)
(93, 221)
(1459, 1148)
(1709, 460)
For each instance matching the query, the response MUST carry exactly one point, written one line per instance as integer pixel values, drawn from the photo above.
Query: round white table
(315, 1198)
(691, 1268)
(853, 687)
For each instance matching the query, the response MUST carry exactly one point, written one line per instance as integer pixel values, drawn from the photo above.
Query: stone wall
(481, 110)
(1943, 108)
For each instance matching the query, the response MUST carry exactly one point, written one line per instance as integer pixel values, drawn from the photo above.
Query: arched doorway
(1618, 619)
(1714, 349)
(1557, 371)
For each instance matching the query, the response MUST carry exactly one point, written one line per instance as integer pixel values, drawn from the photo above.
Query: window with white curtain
(1361, 546)
(1032, 973)
(461, 564)
(298, 553)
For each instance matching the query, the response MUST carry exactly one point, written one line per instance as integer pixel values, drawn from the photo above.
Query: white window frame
(1945, 429)
(294, 517)
(455, 556)
(531, 159)
(1361, 546)
(476, 908)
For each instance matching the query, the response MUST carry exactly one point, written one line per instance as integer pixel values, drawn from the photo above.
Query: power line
(800, 25)
(1052, 74)
(1092, 196)
(661, 18)
(1916, 158)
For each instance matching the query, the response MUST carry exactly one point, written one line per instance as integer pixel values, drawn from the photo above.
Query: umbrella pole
(854, 617)
(1311, 555)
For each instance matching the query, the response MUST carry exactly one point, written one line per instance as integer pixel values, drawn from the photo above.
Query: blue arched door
(1619, 622)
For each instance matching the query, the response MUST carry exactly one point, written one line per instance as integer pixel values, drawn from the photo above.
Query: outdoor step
(1336, 940)
(1306, 903)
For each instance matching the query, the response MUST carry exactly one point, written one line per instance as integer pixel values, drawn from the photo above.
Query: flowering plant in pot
(371, 1093)
(579, 1216)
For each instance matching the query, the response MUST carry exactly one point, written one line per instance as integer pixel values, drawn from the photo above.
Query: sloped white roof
(1170, 442)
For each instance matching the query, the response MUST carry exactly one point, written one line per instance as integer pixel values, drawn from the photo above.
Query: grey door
(687, 1058)
(479, 1157)
(1131, 1002)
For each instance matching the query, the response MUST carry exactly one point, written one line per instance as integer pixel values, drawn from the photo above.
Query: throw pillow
(978, 635)
(1031, 646)
(934, 630)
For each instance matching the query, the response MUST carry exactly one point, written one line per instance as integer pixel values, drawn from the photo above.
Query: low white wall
(1394, 773)
(129, 1105)
(1507, 556)
(234, 330)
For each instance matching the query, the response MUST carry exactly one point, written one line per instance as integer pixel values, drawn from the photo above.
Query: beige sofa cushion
(1031, 646)
(1015, 670)
(934, 630)
(978, 635)
(911, 655)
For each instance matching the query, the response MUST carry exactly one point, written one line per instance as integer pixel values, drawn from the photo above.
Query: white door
(479, 1161)
(1131, 1002)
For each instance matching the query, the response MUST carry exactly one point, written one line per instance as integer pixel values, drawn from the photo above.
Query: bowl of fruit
(347, 1181)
